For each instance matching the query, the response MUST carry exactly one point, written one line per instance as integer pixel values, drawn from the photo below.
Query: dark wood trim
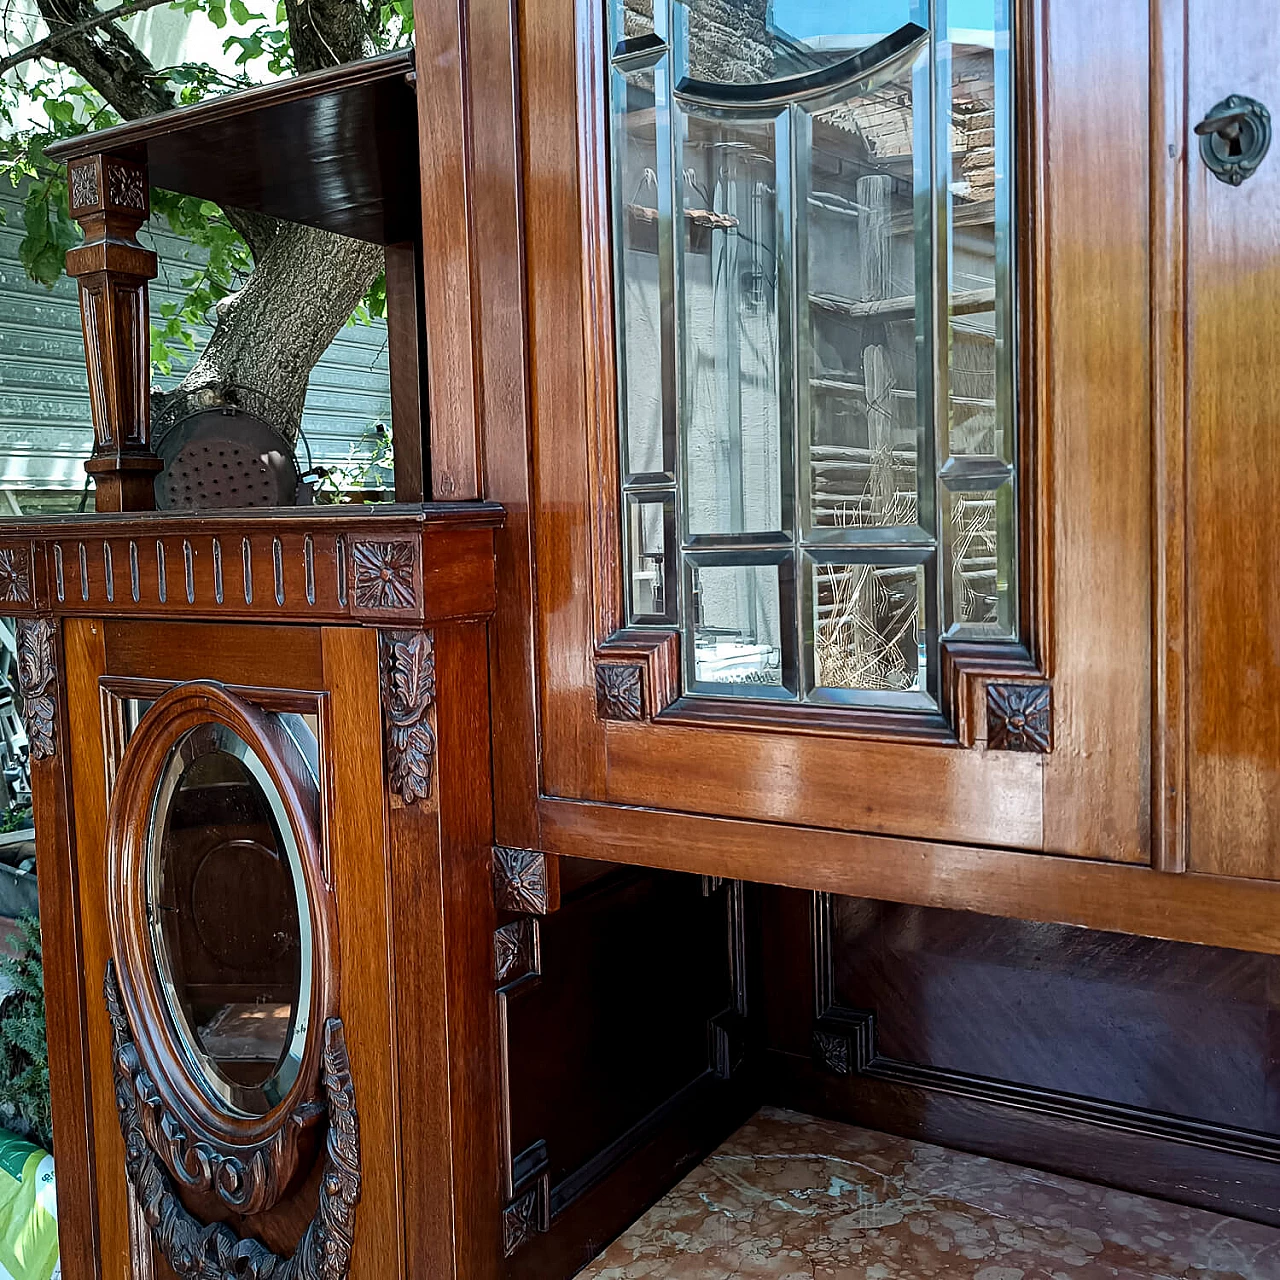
(323, 1252)
(525, 880)
(1226, 1171)
(1217, 910)
(109, 196)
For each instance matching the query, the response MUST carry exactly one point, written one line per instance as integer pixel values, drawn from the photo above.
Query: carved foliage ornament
(15, 575)
(384, 574)
(520, 1221)
(197, 1251)
(37, 676)
(617, 691)
(84, 192)
(408, 693)
(1019, 717)
(126, 187)
(520, 880)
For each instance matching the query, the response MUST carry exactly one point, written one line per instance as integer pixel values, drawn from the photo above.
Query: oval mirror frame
(246, 1161)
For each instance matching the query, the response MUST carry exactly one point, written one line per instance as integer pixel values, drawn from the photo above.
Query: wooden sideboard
(593, 904)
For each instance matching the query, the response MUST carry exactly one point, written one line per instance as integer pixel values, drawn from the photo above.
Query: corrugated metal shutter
(45, 425)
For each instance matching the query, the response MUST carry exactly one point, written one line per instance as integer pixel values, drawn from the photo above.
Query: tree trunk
(305, 283)
(270, 334)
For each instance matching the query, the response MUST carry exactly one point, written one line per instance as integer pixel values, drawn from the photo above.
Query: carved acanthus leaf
(199, 1251)
(408, 694)
(37, 682)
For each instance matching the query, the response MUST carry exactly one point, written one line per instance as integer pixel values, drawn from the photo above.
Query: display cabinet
(867, 515)
(831, 565)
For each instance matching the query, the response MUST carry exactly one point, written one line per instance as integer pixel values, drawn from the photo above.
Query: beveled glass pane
(751, 42)
(740, 616)
(642, 248)
(633, 19)
(732, 346)
(229, 918)
(979, 542)
(862, 318)
(869, 627)
(651, 581)
(977, 191)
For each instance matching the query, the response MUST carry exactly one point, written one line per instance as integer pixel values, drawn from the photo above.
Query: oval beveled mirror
(223, 934)
(230, 927)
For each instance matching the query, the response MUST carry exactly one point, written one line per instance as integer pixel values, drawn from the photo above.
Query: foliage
(262, 50)
(24, 1052)
(17, 818)
(368, 467)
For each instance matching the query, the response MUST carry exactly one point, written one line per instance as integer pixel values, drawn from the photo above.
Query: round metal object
(224, 458)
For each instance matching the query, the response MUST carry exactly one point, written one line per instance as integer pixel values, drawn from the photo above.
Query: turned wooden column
(109, 197)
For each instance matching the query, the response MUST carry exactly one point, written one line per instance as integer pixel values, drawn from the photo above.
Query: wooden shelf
(336, 149)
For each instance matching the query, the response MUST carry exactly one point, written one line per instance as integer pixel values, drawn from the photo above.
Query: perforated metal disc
(227, 460)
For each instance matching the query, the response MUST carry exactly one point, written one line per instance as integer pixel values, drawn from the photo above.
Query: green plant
(24, 1051)
(17, 818)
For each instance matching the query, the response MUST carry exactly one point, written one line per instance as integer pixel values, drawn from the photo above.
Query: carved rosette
(83, 186)
(618, 691)
(520, 880)
(408, 694)
(1019, 717)
(126, 186)
(520, 1221)
(515, 951)
(37, 682)
(197, 1251)
(383, 574)
(833, 1052)
(15, 575)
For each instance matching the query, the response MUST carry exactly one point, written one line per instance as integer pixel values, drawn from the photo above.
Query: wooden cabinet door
(1039, 742)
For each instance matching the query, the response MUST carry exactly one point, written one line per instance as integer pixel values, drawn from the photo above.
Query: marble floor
(790, 1197)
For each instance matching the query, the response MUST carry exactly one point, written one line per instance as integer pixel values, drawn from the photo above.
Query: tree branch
(107, 58)
(41, 47)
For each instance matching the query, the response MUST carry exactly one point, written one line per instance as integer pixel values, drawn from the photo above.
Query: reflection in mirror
(230, 925)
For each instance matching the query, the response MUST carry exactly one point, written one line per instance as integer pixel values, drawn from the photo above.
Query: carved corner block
(38, 684)
(618, 691)
(386, 577)
(408, 695)
(516, 951)
(637, 674)
(1019, 717)
(15, 575)
(520, 880)
(844, 1041)
(525, 1216)
(105, 184)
